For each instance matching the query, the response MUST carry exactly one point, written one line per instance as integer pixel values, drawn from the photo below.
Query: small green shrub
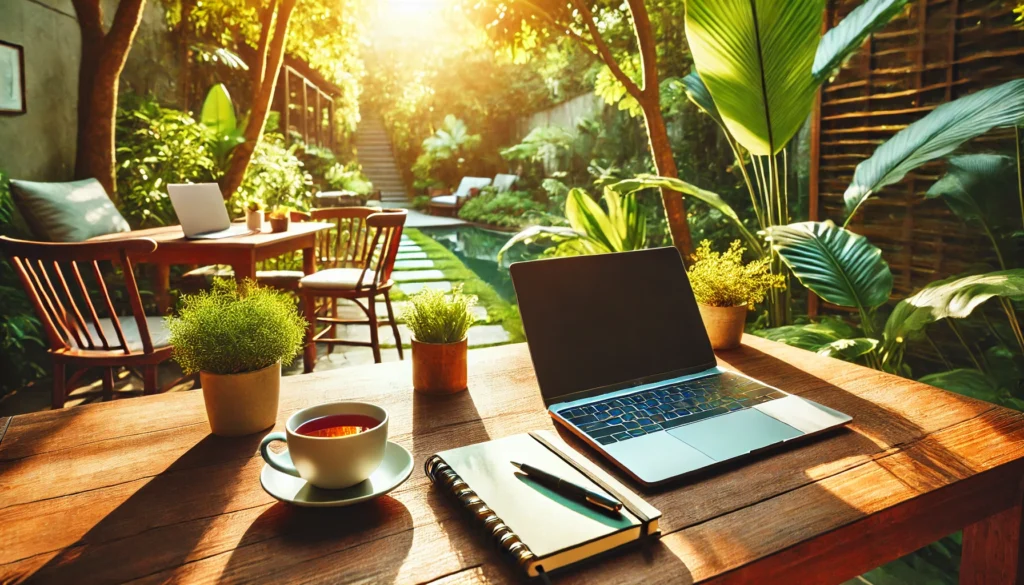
(438, 317)
(275, 177)
(348, 177)
(508, 209)
(723, 280)
(236, 328)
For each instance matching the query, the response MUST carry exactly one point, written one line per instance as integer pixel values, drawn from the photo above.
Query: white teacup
(330, 462)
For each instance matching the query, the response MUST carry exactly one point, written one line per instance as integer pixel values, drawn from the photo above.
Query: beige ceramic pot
(241, 404)
(439, 368)
(254, 220)
(724, 324)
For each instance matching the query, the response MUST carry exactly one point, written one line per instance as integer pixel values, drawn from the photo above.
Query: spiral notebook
(538, 528)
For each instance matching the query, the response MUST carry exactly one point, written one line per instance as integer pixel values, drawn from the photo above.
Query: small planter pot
(724, 324)
(278, 224)
(254, 220)
(241, 404)
(439, 368)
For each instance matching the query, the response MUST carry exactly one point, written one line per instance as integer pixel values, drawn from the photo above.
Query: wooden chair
(355, 261)
(79, 336)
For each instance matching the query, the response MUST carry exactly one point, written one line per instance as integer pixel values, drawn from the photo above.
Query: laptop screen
(595, 321)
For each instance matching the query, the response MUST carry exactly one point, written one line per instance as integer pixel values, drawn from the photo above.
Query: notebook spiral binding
(441, 474)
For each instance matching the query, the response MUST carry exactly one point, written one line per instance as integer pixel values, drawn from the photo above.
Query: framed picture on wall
(12, 78)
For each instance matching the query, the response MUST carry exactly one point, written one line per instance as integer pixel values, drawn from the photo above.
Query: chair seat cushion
(337, 279)
(445, 200)
(158, 333)
(67, 212)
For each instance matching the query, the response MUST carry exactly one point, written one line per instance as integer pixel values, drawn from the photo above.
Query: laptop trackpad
(657, 457)
(734, 434)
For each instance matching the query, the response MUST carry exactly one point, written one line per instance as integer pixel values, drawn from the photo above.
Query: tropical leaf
(980, 189)
(935, 135)
(968, 382)
(218, 112)
(586, 216)
(845, 38)
(639, 182)
(840, 266)
(811, 336)
(755, 56)
(848, 349)
(954, 298)
(698, 93)
(545, 235)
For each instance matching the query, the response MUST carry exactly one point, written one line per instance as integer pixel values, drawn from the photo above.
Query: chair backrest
(363, 237)
(52, 275)
(468, 183)
(504, 182)
(387, 225)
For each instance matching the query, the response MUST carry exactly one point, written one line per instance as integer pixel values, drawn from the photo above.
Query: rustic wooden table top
(138, 490)
(171, 236)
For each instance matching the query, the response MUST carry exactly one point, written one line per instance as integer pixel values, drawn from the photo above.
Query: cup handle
(279, 461)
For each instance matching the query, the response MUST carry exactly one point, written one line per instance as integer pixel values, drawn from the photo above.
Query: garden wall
(565, 114)
(40, 145)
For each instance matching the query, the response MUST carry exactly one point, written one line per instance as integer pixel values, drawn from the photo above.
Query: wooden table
(240, 252)
(138, 490)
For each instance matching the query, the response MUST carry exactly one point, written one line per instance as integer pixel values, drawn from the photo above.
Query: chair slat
(92, 308)
(57, 316)
(110, 306)
(79, 320)
(22, 268)
(136, 302)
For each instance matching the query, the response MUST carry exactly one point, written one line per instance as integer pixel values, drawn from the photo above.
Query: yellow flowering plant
(721, 279)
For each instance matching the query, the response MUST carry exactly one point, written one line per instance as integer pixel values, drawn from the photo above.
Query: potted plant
(279, 219)
(439, 322)
(726, 289)
(236, 336)
(254, 215)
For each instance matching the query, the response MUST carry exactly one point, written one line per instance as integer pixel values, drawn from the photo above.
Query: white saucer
(393, 471)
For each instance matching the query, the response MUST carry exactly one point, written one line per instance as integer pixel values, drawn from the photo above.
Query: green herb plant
(236, 328)
(438, 317)
(721, 279)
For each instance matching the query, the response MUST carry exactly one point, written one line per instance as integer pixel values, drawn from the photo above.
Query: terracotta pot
(724, 324)
(278, 224)
(254, 220)
(241, 404)
(439, 368)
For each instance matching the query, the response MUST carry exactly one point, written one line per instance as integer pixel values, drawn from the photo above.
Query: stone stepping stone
(487, 335)
(417, 275)
(411, 256)
(413, 264)
(409, 247)
(410, 288)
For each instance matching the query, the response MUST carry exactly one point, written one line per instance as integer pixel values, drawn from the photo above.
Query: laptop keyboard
(622, 418)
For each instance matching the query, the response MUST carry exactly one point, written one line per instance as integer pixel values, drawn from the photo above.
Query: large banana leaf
(848, 349)
(699, 95)
(586, 216)
(218, 112)
(954, 298)
(968, 382)
(980, 189)
(811, 336)
(755, 56)
(713, 199)
(846, 37)
(838, 265)
(937, 134)
(552, 235)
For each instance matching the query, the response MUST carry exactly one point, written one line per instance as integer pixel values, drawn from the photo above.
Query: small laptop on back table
(201, 212)
(624, 362)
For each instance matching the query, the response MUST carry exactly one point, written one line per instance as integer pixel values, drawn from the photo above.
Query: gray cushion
(158, 333)
(337, 279)
(67, 212)
(468, 183)
(504, 183)
(445, 200)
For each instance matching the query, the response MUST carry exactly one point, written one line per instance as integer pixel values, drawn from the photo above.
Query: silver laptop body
(201, 211)
(624, 362)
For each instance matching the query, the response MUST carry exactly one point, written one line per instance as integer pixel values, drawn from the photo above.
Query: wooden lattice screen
(937, 50)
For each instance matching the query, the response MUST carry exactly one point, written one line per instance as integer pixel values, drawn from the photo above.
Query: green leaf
(586, 216)
(848, 349)
(838, 265)
(712, 199)
(980, 189)
(845, 38)
(935, 135)
(551, 235)
(812, 336)
(755, 56)
(218, 111)
(954, 298)
(965, 381)
(699, 95)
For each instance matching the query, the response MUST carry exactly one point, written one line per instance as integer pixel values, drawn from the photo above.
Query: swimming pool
(477, 248)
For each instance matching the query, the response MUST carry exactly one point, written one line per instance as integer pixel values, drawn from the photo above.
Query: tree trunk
(269, 70)
(103, 59)
(665, 164)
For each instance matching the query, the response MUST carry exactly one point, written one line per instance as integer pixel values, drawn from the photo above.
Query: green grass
(499, 311)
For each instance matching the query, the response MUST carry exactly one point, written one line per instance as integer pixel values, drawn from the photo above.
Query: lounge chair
(450, 204)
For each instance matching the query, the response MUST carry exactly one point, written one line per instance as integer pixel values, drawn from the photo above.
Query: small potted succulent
(439, 323)
(236, 336)
(726, 289)
(279, 219)
(254, 215)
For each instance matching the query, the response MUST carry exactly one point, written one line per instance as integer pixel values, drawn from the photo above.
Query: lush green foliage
(435, 316)
(348, 177)
(445, 152)
(236, 328)
(276, 176)
(508, 209)
(721, 279)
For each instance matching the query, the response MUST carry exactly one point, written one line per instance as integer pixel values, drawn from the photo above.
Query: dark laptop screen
(594, 321)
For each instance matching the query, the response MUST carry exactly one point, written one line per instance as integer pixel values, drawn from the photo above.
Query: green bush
(236, 328)
(348, 177)
(508, 209)
(276, 177)
(438, 317)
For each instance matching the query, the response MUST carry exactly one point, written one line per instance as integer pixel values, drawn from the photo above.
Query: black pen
(568, 488)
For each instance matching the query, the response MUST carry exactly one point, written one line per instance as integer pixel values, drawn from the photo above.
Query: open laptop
(624, 362)
(201, 212)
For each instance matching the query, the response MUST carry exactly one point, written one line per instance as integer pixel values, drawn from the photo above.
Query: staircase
(373, 151)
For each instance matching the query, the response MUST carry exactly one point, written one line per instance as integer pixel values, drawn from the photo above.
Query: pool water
(477, 248)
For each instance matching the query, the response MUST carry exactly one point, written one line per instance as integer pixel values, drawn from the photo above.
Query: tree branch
(605, 52)
(645, 41)
(119, 38)
(260, 68)
(90, 17)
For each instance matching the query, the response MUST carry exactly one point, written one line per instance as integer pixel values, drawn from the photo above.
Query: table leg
(992, 550)
(245, 268)
(162, 288)
(308, 260)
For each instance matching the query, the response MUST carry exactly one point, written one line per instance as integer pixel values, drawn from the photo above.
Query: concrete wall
(40, 145)
(565, 114)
